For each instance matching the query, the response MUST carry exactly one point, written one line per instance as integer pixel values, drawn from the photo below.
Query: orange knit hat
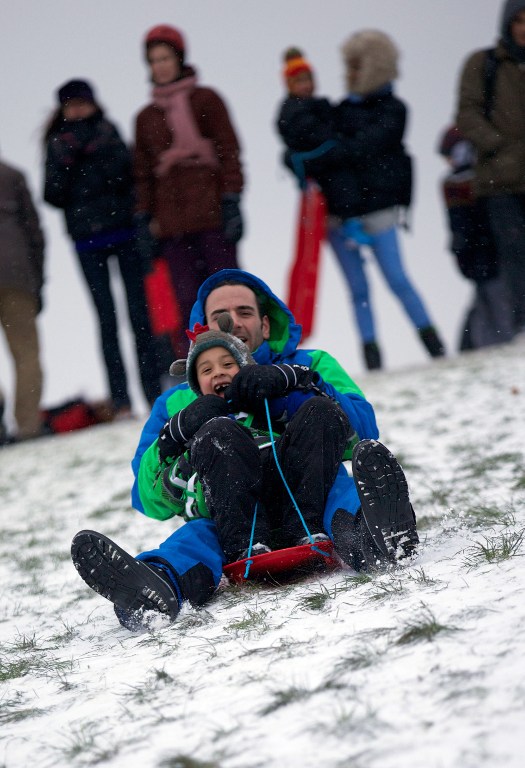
(295, 63)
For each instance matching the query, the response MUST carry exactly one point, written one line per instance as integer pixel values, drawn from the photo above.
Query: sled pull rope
(290, 494)
(250, 545)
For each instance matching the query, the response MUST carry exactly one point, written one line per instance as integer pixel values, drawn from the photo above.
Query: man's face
(240, 302)
(517, 29)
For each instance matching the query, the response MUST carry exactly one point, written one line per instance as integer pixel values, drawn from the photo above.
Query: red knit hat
(163, 33)
(295, 63)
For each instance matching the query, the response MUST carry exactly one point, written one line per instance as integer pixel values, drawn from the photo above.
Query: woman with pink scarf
(188, 174)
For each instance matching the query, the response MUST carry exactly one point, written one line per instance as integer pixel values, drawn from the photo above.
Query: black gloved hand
(253, 383)
(183, 425)
(147, 245)
(231, 217)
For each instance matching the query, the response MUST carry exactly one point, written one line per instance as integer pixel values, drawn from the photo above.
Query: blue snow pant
(385, 247)
(192, 555)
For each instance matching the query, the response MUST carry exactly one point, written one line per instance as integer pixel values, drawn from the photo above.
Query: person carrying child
(367, 128)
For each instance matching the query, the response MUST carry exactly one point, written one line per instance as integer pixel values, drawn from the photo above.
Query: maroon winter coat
(188, 198)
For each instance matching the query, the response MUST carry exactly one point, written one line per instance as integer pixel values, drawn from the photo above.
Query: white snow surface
(263, 676)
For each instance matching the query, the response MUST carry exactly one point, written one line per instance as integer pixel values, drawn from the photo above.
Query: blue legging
(385, 246)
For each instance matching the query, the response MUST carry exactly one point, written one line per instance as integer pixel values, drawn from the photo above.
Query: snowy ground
(420, 666)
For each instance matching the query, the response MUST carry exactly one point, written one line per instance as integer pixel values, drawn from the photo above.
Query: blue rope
(250, 545)
(290, 494)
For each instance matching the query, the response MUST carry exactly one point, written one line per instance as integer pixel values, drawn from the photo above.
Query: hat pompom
(292, 53)
(178, 368)
(225, 322)
(295, 63)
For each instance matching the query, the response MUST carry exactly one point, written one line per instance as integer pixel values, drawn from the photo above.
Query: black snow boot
(432, 342)
(134, 587)
(372, 355)
(386, 513)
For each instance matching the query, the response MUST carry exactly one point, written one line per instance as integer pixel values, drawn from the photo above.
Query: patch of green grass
(477, 465)
(423, 627)
(495, 549)
(183, 761)
(251, 621)
(419, 576)
(285, 697)
(13, 710)
(386, 589)
(88, 744)
(486, 515)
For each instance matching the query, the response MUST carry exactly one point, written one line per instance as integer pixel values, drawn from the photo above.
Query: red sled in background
(311, 231)
(162, 304)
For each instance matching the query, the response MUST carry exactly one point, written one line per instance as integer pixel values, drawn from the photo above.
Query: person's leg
(352, 266)
(385, 529)
(187, 566)
(228, 464)
(507, 222)
(18, 311)
(132, 275)
(188, 270)
(495, 296)
(96, 272)
(309, 453)
(385, 246)
(217, 252)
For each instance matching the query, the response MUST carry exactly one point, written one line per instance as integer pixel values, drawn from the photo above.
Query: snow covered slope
(419, 666)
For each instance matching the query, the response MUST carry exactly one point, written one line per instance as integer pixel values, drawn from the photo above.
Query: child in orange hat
(305, 123)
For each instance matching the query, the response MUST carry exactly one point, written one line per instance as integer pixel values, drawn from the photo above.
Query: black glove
(253, 383)
(147, 245)
(231, 217)
(183, 425)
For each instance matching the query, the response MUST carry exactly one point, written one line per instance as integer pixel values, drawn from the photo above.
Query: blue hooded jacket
(281, 347)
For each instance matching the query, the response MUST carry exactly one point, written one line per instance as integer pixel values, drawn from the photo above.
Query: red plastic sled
(306, 557)
(302, 288)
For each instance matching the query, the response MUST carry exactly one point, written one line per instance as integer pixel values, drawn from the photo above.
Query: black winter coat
(305, 124)
(373, 132)
(89, 175)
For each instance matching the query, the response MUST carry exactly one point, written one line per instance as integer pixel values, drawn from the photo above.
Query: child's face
(301, 85)
(215, 368)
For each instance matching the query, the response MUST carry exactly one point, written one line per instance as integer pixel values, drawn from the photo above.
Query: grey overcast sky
(236, 46)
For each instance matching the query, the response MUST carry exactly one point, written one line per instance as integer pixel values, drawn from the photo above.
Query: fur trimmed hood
(378, 57)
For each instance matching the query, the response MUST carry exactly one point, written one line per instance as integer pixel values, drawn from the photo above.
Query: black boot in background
(432, 342)
(372, 355)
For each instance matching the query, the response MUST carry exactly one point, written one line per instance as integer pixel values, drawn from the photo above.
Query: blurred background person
(188, 174)
(21, 281)
(489, 320)
(491, 114)
(88, 174)
(370, 123)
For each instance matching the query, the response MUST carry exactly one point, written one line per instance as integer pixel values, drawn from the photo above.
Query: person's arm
(30, 225)
(217, 126)
(470, 118)
(143, 169)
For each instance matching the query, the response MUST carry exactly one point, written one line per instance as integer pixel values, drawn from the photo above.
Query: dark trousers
(192, 258)
(96, 271)
(237, 476)
(507, 222)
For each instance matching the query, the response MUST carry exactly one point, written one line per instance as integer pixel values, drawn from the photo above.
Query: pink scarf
(188, 147)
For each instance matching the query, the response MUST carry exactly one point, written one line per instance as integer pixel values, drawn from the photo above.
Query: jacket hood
(510, 9)
(378, 57)
(285, 333)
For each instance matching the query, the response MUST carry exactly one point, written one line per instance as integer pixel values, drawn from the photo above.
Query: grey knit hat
(203, 338)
